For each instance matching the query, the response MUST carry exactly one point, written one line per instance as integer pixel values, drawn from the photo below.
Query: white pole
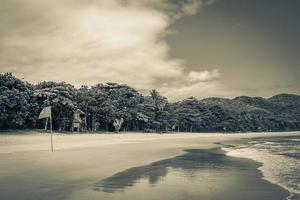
(51, 130)
(46, 124)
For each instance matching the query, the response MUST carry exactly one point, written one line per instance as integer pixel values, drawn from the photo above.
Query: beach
(131, 166)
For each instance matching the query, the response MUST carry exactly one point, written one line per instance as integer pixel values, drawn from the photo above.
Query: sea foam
(278, 167)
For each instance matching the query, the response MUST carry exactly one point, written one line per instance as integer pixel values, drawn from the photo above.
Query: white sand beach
(29, 170)
(33, 141)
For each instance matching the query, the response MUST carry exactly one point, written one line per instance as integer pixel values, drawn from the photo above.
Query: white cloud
(194, 76)
(191, 7)
(87, 42)
(199, 90)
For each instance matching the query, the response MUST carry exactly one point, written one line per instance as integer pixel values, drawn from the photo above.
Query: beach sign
(46, 113)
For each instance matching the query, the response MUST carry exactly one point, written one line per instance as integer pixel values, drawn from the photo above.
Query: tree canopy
(118, 107)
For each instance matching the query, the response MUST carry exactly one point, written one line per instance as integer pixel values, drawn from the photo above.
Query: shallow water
(280, 158)
(198, 174)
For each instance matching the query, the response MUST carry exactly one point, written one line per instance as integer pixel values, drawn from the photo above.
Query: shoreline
(81, 160)
(240, 149)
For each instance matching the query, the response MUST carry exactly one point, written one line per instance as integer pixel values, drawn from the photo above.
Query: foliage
(14, 102)
(61, 98)
(118, 107)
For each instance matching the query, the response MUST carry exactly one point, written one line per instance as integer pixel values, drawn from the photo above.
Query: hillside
(280, 112)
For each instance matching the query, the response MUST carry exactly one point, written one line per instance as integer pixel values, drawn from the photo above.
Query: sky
(200, 48)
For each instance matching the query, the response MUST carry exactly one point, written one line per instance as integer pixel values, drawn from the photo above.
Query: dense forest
(112, 106)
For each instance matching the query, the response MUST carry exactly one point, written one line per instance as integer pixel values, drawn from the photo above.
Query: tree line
(114, 107)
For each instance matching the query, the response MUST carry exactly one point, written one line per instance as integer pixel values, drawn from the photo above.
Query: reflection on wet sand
(190, 162)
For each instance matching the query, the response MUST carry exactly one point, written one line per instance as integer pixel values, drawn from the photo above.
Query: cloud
(194, 76)
(92, 41)
(199, 90)
(191, 7)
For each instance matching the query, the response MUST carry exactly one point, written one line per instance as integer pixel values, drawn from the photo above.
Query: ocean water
(280, 159)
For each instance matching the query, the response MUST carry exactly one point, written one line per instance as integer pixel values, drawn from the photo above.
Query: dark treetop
(104, 104)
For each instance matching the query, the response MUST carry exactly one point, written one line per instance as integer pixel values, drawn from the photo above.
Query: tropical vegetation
(118, 107)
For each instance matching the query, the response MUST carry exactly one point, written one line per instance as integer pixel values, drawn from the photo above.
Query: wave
(278, 166)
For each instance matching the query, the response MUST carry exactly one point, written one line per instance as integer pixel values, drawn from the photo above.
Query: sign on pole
(46, 113)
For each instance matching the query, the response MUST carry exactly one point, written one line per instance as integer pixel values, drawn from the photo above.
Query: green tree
(61, 98)
(15, 105)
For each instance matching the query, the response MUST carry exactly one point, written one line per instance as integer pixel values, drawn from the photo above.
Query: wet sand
(158, 166)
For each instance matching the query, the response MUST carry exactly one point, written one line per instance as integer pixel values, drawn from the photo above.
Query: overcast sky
(183, 48)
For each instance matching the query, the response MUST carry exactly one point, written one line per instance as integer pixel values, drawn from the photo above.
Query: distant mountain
(285, 99)
(287, 106)
(234, 105)
(280, 112)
